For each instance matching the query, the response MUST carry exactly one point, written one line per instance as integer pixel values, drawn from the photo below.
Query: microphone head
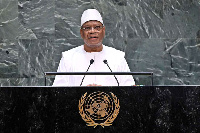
(91, 61)
(105, 61)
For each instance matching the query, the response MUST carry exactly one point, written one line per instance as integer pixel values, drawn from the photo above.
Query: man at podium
(93, 56)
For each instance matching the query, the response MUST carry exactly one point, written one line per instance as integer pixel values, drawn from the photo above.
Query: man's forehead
(91, 22)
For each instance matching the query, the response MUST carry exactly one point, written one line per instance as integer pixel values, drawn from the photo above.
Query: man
(92, 57)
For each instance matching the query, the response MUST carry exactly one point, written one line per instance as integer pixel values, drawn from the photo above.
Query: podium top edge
(98, 73)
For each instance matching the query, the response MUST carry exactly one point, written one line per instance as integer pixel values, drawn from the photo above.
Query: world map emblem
(99, 108)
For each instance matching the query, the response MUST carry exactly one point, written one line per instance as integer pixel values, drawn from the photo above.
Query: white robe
(78, 60)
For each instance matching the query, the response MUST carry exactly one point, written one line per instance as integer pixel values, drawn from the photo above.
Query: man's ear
(81, 32)
(104, 30)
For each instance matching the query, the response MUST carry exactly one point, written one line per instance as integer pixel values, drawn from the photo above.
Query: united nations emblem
(99, 108)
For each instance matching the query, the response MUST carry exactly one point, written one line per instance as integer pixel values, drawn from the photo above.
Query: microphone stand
(106, 62)
(91, 62)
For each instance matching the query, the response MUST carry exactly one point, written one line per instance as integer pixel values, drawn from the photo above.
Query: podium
(142, 109)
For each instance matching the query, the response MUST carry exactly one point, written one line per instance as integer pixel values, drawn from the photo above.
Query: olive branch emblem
(101, 108)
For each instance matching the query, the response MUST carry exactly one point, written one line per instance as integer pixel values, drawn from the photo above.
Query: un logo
(99, 108)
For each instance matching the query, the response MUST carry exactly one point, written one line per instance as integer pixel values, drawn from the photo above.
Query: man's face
(92, 33)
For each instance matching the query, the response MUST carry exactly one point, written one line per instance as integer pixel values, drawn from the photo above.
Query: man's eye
(97, 27)
(87, 28)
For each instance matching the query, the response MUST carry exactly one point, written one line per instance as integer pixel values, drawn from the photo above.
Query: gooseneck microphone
(91, 62)
(106, 62)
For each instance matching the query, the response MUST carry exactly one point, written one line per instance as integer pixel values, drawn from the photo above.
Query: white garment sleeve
(61, 80)
(125, 80)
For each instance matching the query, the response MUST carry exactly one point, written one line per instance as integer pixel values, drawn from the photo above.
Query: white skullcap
(91, 14)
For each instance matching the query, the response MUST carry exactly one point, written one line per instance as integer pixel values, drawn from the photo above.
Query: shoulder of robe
(114, 52)
(71, 52)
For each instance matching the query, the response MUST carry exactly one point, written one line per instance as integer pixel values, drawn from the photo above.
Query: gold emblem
(99, 108)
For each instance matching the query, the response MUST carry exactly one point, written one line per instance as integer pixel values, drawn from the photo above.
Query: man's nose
(92, 30)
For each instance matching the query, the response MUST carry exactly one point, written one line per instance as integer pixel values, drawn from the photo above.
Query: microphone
(106, 62)
(91, 62)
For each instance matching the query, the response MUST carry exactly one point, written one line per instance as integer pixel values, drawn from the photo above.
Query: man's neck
(93, 49)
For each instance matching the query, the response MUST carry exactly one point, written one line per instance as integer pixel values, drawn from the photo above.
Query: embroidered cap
(91, 14)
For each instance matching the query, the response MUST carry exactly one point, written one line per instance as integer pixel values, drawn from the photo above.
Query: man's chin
(94, 45)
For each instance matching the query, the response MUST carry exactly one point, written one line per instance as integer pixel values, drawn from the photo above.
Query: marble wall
(160, 36)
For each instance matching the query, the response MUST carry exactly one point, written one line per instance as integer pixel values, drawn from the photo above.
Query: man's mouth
(93, 37)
